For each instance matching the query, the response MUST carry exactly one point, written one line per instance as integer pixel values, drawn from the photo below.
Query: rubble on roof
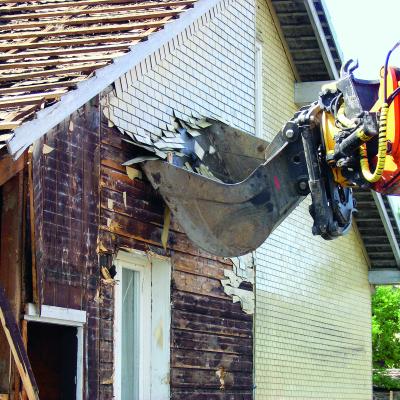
(47, 48)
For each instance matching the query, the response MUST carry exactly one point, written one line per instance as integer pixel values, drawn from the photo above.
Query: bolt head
(303, 185)
(289, 133)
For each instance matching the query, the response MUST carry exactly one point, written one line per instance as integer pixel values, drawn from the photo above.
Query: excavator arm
(349, 137)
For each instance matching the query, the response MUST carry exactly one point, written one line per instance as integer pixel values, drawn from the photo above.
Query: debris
(139, 159)
(108, 381)
(203, 123)
(110, 204)
(101, 248)
(97, 298)
(221, 373)
(47, 149)
(193, 132)
(5, 137)
(165, 231)
(133, 173)
(199, 151)
(17, 348)
(232, 288)
(124, 198)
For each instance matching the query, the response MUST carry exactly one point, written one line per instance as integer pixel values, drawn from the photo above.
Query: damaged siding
(207, 71)
(313, 301)
(65, 177)
(210, 335)
(88, 206)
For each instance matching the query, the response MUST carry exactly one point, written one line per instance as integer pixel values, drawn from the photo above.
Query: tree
(385, 335)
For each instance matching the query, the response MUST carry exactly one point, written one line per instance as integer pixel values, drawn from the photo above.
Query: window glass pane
(130, 335)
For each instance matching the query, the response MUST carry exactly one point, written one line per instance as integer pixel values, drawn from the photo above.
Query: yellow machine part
(392, 128)
(329, 130)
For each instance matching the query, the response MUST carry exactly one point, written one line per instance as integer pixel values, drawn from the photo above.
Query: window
(259, 90)
(142, 326)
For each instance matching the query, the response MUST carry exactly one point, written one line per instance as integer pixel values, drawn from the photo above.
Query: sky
(367, 30)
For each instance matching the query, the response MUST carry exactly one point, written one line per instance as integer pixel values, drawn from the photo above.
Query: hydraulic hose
(373, 177)
(382, 146)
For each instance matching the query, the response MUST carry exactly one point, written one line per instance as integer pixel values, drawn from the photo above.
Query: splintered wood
(48, 47)
(17, 347)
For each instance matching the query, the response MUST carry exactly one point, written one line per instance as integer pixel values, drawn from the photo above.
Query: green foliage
(382, 380)
(385, 335)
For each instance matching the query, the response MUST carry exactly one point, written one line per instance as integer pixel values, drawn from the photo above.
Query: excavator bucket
(232, 219)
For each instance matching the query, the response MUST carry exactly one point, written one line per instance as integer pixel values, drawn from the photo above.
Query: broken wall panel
(211, 337)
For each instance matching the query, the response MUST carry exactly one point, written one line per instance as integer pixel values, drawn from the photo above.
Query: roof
(310, 38)
(47, 47)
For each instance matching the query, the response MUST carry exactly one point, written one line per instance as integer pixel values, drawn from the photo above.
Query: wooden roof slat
(15, 101)
(51, 72)
(39, 86)
(129, 7)
(48, 5)
(83, 30)
(46, 95)
(6, 126)
(57, 61)
(65, 52)
(73, 42)
(21, 113)
(90, 20)
(48, 46)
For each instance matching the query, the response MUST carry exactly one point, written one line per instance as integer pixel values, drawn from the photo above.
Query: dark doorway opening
(53, 350)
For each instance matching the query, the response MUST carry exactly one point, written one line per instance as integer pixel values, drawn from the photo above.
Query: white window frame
(259, 89)
(66, 317)
(154, 324)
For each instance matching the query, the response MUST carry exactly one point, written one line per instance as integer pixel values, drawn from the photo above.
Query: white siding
(312, 337)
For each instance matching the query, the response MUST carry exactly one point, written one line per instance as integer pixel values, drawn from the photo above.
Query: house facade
(312, 318)
(105, 309)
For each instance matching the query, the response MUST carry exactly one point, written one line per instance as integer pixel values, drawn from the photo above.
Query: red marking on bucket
(277, 183)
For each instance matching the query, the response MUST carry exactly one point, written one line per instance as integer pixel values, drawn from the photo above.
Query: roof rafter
(121, 8)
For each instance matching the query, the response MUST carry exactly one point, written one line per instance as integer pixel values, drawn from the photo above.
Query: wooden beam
(74, 42)
(24, 332)
(67, 51)
(16, 101)
(57, 61)
(384, 276)
(10, 168)
(83, 30)
(91, 20)
(129, 7)
(27, 7)
(5, 126)
(18, 115)
(39, 86)
(16, 344)
(51, 72)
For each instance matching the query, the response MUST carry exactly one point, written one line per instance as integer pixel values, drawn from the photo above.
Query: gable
(207, 72)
